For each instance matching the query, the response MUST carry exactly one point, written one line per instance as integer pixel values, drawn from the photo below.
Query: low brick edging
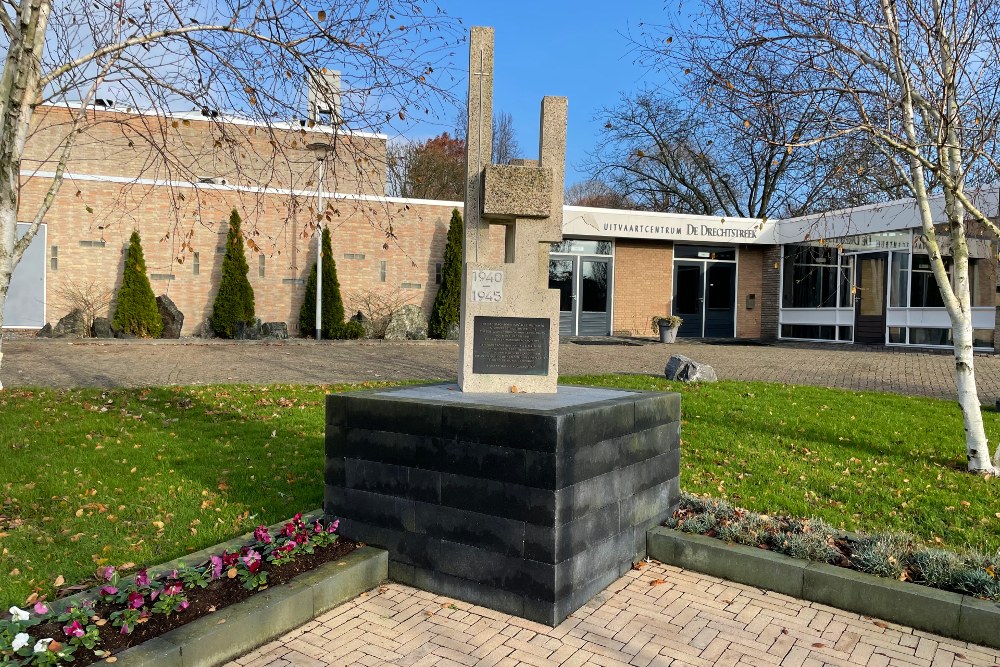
(930, 609)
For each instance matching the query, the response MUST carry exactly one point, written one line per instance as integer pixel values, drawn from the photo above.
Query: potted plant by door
(667, 327)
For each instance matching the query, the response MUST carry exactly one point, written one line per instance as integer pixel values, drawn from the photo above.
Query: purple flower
(109, 590)
(332, 528)
(318, 527)
(288, 530)
(136, 600)
(173, 589)
(41, 609)
(252, 561)
(107, 572)
(74, 629)
(216, 567)
(183, 605)
(155, 594)
(125, 629)
(142, 578)
(262, 535)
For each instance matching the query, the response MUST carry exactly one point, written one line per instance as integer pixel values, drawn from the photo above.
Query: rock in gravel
(173, 318)
(101, 328)
(685, 369)
(407, 323)
(73, 325)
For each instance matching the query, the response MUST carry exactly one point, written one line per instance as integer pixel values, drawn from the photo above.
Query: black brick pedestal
(528, 504)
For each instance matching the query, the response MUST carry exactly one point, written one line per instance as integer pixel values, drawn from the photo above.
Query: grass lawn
(94, 477)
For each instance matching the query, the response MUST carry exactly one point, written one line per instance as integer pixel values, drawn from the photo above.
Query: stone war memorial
(505, 490)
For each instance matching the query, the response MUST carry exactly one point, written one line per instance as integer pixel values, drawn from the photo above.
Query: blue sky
(579, 49)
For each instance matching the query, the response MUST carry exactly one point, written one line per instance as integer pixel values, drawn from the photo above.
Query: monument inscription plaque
(510, 345)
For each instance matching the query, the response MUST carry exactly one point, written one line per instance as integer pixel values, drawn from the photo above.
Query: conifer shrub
(234, 302)
(448, 302)
(333, 306)
(135, 309)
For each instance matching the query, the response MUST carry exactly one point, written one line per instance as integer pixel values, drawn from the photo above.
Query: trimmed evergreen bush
(234, 302)
(448, 302)
(333, 306)
(135, 310)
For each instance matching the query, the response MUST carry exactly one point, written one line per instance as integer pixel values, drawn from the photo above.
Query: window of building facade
(813, 277)
(437, 273)
(54, 258)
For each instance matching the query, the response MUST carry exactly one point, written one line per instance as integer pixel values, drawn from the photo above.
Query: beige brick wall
(749, 281)
(643, 284)
(131, 145)
(410, 239)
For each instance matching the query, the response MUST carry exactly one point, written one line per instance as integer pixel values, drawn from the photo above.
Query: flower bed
(892, 555)
(125, 612)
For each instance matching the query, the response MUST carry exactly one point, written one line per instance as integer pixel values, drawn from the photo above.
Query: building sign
(665, 227)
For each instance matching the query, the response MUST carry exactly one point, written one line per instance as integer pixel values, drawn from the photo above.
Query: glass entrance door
(584, 285)
(869, 298)
(705, 294)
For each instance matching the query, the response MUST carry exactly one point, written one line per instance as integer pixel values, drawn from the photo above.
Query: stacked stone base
(527, 504)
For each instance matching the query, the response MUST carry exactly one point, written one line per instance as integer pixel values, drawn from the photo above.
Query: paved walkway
(655, 617)
(60, 363)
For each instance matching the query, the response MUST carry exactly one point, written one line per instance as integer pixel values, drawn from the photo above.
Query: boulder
(204, 330)
(45, 332)
(407, 323)
(101, 328)
(173, 319)
(684, 369)
(274, 330)
(73, 325)
(248, 331)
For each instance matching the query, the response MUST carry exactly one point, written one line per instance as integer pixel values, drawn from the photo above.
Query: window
(411, 285)
(437, 273)
(704, 252)
(899, 273)
(162, 276)
(195, 264)
(924, 292)
(92, 244)
(260, 266)
(809, 331)
(381, 271)
(810, 277)
(582, 247)
(54, 258)
(354, 255)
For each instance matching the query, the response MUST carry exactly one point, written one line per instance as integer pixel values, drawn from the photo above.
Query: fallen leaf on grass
(60, 580)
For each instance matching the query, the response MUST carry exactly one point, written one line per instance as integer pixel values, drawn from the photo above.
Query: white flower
(42, 645)
(17, 615)
(21, 640)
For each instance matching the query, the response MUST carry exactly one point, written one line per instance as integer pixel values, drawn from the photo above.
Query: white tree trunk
(976, 444)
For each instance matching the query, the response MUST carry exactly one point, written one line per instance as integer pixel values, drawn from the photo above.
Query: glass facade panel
(594, 286)
(924, 292)
(582, 247)
(561, 278)
(897, 335)
(982, 337)
(704, 252)
(846, 283)
(899, 272)
(927, 336)
(810, 277)
(809, 331)
(872, 280)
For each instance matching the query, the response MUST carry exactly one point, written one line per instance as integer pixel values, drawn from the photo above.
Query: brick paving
(654, 617)
(60, 363)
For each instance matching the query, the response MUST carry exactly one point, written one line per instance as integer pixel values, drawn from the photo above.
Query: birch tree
(251, 58)
(915, 80)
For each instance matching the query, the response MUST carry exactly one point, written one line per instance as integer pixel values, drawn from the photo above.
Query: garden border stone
(239, 628)
(921, 607)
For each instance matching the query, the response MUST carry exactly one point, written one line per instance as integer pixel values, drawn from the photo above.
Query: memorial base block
(529, 504)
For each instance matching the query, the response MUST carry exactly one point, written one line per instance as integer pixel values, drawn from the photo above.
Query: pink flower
(136, 600)
(183, 605)
(317, 527)
(41, 609)
(107, 572)
(172, 574)
(252, 561)
(142, 578)
(109, 590)
(74, 629)
(288, 530)
(229, 559)
(332, 528)
(173, 589)
(155, 594)
(125, 629)
(216, 566)
(262, 535)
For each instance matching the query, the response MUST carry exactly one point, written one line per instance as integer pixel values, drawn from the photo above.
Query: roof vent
(209, 113)
(324, 97)
(104, 102)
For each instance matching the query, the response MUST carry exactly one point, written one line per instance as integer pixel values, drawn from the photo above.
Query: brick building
(850, 276)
